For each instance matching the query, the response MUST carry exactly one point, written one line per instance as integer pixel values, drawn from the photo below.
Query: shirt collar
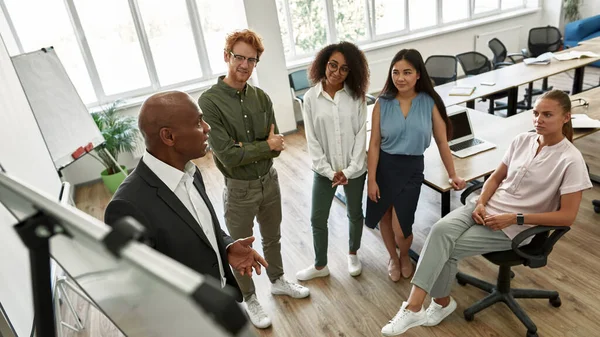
(320, 89)
(169, 175)
(229, 90)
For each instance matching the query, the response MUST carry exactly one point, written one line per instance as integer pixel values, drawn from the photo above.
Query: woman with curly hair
(335, 118)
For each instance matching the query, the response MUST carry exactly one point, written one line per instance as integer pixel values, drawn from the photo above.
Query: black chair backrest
(441, 68)
(544, 39)
(474, 63)
(498, 49)
(299, 80)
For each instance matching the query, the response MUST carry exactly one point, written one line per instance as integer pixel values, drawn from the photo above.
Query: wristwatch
(520, 219)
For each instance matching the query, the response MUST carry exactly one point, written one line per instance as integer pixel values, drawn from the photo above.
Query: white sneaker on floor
(257, 315)
(311, 273)
(354, 265)
(436, 313)
(404, 320)
(285, 287)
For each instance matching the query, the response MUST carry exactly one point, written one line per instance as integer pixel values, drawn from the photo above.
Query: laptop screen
(460, 125)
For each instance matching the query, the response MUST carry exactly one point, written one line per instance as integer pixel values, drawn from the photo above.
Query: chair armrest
(463, 196)
(370, 99)
(512, 55)
(538, 260)
(525, 52)
(502, 65)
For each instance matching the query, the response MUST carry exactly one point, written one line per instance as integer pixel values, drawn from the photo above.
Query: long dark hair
(424, 83)
(358, 77)
(565, 103)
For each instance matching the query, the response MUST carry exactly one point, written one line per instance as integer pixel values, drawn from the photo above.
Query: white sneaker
(404, 320)
(354, 265)
(436, 313)
(284, 287)
(311, 273)
(257, 315)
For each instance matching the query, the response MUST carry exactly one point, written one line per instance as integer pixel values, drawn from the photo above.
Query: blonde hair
(245, 35)
(564, 101)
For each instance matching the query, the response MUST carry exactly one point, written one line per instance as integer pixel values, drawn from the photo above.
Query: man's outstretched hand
(242, 257)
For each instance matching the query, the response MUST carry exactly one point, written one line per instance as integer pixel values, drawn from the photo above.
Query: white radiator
(510, 37)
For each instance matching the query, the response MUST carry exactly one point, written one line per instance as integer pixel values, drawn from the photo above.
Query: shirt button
(245, 116)
(247, 131)
(241, 100)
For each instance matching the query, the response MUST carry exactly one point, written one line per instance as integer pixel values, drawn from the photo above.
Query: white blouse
(336, 132)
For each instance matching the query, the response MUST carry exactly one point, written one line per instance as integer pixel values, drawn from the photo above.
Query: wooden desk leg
(511, 109)
(471, 104)
(578, 80)
(445, 203)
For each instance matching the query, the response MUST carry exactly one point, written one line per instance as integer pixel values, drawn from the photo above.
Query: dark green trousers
(322, 197)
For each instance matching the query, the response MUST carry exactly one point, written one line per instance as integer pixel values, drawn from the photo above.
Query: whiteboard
(23, 154)
(64, 120)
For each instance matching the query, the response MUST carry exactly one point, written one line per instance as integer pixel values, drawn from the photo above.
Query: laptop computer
(464, 143)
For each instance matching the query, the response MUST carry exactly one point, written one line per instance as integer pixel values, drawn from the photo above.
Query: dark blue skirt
(399, 178)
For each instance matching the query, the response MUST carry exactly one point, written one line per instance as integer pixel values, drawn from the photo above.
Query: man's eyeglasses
(333, 67)
(240, 58)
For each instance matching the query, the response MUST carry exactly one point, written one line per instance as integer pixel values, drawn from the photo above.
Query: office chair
(500, 60)
(532, 255)
(441, 68)
(596, 204)
(475, 63)
(542, 40)
(299, 83)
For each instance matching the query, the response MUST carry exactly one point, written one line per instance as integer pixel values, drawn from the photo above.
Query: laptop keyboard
(466, 144)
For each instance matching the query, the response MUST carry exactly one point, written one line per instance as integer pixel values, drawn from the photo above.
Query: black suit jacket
(171, 228)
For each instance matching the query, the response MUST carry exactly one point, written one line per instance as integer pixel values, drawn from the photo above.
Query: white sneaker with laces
(257, 315)
(354, 265)
(311, 273)
(436, 313)
(404, 320)
(285, 287)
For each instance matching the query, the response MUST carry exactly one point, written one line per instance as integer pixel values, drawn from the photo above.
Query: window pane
(506, 4)
(423, 13)
(7, 36)
(482, 6)
(283, 26)
(220, 18)
(110, 32)
(309, 25)
(350, 20)
(170, 36)
(49, 25)
(454, 10)
(389, 16)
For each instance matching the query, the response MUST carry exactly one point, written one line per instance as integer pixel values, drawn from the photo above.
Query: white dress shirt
(182, 184)
(336, 132)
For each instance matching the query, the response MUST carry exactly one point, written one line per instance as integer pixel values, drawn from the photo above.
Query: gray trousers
(454, 237)
(245, 200)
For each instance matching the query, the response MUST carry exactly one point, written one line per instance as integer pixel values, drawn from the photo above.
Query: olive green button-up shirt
(240, 122)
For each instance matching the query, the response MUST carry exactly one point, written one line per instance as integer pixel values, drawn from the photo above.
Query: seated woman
(539, 182)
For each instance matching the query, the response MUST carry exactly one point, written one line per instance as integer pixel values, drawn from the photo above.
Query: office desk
(595, 40)
(500, 131)
(511, 77)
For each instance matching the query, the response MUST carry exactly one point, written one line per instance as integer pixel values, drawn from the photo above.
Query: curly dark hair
(358, 77)
(424, 83)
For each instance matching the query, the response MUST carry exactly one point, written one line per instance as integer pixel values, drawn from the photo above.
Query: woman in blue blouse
(405, 116)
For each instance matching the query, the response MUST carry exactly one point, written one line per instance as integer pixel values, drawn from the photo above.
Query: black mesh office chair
(299, 83)
(441, 68)
(502, 59)
(532, 255)
(596, 204)
(475, 63)
(542, 40)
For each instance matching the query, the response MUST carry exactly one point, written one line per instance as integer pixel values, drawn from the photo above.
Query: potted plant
(120, 135)
(571, 10)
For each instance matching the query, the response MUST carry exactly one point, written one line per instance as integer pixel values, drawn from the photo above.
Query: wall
(271, 74)
(589, 8)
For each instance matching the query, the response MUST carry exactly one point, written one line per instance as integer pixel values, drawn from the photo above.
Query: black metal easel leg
(35, 233)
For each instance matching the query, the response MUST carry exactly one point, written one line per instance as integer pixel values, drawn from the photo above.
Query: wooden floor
(343, 306)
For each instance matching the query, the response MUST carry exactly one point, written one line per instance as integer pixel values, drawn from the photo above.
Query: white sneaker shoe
(257, 315)
(284, 287)
(311, 273)
(404, 320)
(354, 265)
(436, 313)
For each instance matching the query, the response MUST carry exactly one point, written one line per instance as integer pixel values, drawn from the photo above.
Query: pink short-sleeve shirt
(534, 184)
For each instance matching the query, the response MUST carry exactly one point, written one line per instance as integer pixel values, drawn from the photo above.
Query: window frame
(101, 97)
(371, 27)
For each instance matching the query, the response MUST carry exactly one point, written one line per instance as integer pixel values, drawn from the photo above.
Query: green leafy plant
(120, 134)
(571, 8)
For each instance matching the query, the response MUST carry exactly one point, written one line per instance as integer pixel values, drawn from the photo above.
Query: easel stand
(60, 293)
(35, 233)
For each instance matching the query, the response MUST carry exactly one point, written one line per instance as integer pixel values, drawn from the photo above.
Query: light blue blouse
(410, 135)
